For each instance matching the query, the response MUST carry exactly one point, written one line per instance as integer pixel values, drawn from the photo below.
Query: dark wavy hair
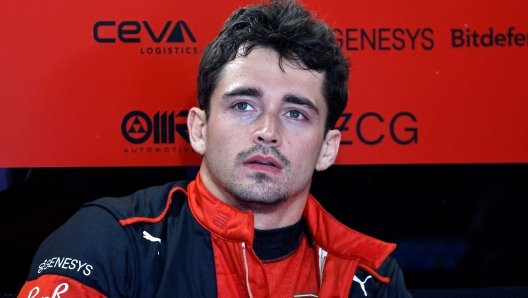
(294, 34)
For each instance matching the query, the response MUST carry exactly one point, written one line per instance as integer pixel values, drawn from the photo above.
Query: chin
(260, 205)
(259, 191)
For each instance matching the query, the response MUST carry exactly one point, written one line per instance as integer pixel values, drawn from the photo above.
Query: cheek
(303, 153)
(223, 141)
(307, 142)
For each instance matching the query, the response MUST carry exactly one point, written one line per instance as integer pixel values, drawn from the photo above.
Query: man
(271, 87)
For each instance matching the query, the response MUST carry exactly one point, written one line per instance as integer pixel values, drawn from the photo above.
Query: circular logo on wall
(136, 127)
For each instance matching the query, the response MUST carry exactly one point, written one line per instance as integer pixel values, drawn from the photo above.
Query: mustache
(265, 150)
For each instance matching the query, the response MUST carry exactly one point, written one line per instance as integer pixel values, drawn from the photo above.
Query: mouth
(260, 161)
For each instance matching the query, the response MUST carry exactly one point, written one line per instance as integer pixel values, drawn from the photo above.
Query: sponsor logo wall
(110, 83)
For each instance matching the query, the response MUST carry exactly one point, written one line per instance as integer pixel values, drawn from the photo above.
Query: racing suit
(178, 240)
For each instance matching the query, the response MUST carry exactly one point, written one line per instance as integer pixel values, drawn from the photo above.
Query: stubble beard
(263, 194)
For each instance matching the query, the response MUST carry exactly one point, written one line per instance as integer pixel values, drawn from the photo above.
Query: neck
(286, 213)
(276, 244)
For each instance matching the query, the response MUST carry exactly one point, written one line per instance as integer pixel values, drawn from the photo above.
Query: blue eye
(242, 106)
(296, 114)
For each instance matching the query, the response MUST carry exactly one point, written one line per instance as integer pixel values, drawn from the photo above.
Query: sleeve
(367, 285)
(89, 256)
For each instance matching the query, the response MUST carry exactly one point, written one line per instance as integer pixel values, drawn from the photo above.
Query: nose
(267, 130)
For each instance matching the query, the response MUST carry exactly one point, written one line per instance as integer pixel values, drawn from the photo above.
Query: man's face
(265, 132)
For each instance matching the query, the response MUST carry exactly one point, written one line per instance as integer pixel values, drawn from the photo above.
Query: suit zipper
(322, 260)
(246, 268)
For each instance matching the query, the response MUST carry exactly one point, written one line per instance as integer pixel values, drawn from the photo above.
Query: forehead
(264, 69)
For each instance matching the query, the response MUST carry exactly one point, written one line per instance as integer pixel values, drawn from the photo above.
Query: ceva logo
(129, 32)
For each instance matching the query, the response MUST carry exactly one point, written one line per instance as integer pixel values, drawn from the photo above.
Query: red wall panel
(431, 82)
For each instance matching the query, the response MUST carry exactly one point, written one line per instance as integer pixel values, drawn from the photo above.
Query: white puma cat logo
(362, 283)
(150, 237)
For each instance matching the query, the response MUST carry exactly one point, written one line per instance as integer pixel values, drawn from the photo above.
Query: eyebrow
(301, 101)
(244, 91)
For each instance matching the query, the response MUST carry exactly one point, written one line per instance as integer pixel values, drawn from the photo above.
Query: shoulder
(385, 282)
(89, 248)
(96, 248)
(148, 203)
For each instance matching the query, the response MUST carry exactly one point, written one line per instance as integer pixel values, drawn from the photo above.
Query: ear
(196, 124)
(329, 150)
